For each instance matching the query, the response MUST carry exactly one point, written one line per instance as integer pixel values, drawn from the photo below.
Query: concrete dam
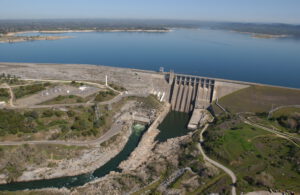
(194, 94)
(188, 92)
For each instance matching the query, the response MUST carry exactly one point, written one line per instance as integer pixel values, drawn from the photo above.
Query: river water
(73, 181)
(174, 125)
(167, 130)
(213, 53)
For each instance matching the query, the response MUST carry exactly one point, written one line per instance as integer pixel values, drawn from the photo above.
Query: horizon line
(153, 19)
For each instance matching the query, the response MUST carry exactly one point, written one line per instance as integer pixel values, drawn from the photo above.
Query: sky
(283, 11)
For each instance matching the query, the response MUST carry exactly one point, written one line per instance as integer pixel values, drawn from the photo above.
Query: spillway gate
(190, 92)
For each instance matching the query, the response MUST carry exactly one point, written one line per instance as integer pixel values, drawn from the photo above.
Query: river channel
(174, 125)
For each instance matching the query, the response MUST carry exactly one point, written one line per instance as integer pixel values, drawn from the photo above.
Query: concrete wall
(222, 88)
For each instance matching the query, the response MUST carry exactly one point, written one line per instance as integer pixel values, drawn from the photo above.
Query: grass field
(259, 99)
(260, 159)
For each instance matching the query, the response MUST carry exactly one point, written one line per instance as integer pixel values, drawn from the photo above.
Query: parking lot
(63, 90)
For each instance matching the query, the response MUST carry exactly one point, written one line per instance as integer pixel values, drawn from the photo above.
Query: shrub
(29, 89)
(64, 128)
(71, 113)
(32, 114)
(48, 113)
(4, 94)
(100, 122)
(12, 122)
(104, 95)
(58, 113)
(80, 125)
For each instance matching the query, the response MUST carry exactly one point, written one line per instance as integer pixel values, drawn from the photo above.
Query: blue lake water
(213, 53)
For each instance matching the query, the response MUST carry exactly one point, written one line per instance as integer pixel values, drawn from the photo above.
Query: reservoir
(167, 130)
(204, 52)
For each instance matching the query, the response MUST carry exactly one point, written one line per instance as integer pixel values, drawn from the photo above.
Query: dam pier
(190, 95)
(187, 92)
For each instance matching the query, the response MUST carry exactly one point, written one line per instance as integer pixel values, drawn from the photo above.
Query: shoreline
(262, 35)
(87, 30)
(15, 37)
(267, 36)
(18, 39)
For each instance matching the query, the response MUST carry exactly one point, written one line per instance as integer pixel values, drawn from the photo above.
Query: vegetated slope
(168, 158)
(14, 160)
(288, 118)
(260, 159)
(70, 99)
(270, 29)
(259, 99)
(29, 89)
(53, 124)
(4, 94)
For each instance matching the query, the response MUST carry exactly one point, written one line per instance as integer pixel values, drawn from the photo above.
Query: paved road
(225, 169)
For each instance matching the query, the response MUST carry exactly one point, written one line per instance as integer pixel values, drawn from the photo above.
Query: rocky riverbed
(164, 160)
(85, 159)
(88, 160)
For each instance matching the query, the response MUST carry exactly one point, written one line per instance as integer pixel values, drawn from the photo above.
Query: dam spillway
(195, 94)
(188, 92)
(192, 94)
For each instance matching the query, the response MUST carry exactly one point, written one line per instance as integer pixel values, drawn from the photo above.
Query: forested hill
(271, 29)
